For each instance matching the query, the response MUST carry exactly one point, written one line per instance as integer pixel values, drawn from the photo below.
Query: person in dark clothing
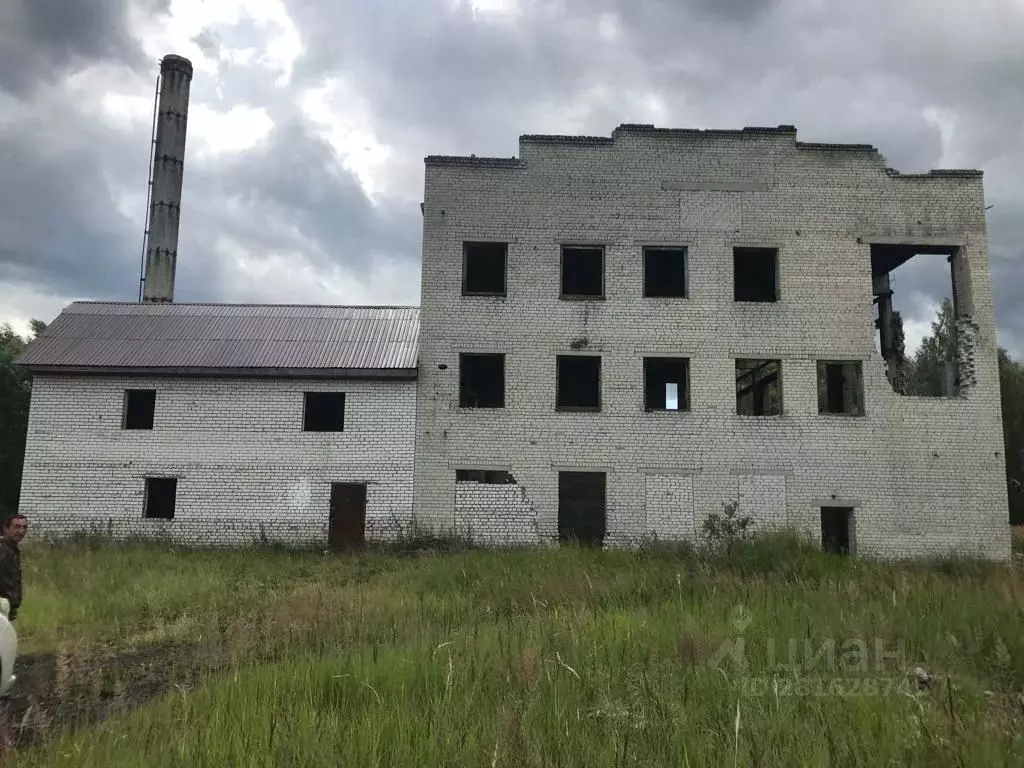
(14, 530)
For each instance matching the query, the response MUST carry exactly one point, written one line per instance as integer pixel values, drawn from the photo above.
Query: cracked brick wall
(924, 476)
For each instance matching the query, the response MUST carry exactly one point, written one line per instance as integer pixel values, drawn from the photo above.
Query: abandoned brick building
(221, 424)
(619, 335)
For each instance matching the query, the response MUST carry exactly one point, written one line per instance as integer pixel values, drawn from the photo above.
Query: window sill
(672, 298)
(581, 297)
(756, 301)
(482, 294)
(666, 410)
(577, 409)
(761, 416)
(842, 415)
(481, 407)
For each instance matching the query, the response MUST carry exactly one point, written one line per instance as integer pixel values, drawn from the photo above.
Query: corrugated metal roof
(227, 337)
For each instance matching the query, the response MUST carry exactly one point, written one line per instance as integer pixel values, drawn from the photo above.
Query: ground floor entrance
(347, 520)
(581, 507)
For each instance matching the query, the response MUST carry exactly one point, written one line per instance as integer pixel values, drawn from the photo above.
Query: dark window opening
(759, 387)
(840, 388)
(666, 384)
(160, 496)
(485, 476)
(578, 383)
(582, 271)
(755, 274)
(665, 272)
(139, 406)
(581, 508)
(935, 368)
(324, 412)
(483, 269)
(836, 523)
(481, 381)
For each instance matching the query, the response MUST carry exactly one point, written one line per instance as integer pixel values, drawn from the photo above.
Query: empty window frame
(755, 274)
(483, 269)
(582, 271)
(139, 405)
(324, 412)
(160, 497)
(481, 380)
(759, 387)
(666, 384)
(840, 387)
(578, 385)
(485, 476)
(664, 272)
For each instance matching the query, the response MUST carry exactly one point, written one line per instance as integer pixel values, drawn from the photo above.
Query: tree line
(926, 374)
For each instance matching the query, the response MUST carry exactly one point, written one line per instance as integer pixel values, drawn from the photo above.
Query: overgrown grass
(559, 657)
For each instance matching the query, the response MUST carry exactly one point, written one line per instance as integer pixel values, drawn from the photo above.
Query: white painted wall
(926, 476)
(246, 470)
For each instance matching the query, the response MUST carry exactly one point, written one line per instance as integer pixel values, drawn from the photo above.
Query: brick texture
(925, 476)
(246, 471)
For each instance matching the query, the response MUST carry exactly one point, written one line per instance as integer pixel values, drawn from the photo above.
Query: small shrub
(722, 531)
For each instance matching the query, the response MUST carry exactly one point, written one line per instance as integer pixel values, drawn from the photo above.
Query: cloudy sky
(309, 121)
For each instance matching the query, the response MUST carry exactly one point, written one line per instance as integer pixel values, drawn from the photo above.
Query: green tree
(1011, 383)
(15, 390)
(936, 359)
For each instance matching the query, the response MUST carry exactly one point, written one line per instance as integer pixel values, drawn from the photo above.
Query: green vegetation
(15, 385)
(560, 657)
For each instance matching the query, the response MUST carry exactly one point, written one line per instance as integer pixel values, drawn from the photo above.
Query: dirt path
(56, 692)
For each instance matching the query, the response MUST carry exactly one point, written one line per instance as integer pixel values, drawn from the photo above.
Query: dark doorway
(347, 523)
(835, 529)
(581, 514)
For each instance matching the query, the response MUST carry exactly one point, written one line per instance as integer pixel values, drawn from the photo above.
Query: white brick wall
(246, 470)
(495, 515)
(926, 476)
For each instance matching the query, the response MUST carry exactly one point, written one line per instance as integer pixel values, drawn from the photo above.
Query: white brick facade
(247, 472)
(924, 476)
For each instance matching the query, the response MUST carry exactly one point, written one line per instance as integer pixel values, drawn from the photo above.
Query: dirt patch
(54, 693)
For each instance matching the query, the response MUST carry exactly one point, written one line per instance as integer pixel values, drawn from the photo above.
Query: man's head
(15, 528)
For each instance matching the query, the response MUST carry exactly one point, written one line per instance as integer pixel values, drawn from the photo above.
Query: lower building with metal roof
(223, 424)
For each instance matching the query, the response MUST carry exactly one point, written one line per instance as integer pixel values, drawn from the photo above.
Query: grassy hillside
(781, 656)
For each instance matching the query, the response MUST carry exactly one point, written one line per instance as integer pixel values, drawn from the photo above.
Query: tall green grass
(555, 657)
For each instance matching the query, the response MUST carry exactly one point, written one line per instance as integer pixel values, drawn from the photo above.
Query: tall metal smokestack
(168, 167)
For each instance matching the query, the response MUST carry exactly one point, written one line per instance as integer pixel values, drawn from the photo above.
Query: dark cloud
(929, 82)
(40, 40)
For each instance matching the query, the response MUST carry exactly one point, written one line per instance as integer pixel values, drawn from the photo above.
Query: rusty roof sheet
(104, 336)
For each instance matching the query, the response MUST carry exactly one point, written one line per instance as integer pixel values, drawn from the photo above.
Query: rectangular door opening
(836, 529)
(581, 508)
(347, 521)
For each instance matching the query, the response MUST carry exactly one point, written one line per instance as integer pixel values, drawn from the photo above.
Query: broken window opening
(840, 387)
(759, 387)
(936, 368)
(665, 272)
(139, 407)
(578, 383)
(484, 476)
(324, 412)
(836, 530)
(581, 508)
(481, 380)
(161, 493)
(755, 274)
(484, 268)
(582, 271)
(666, 383)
